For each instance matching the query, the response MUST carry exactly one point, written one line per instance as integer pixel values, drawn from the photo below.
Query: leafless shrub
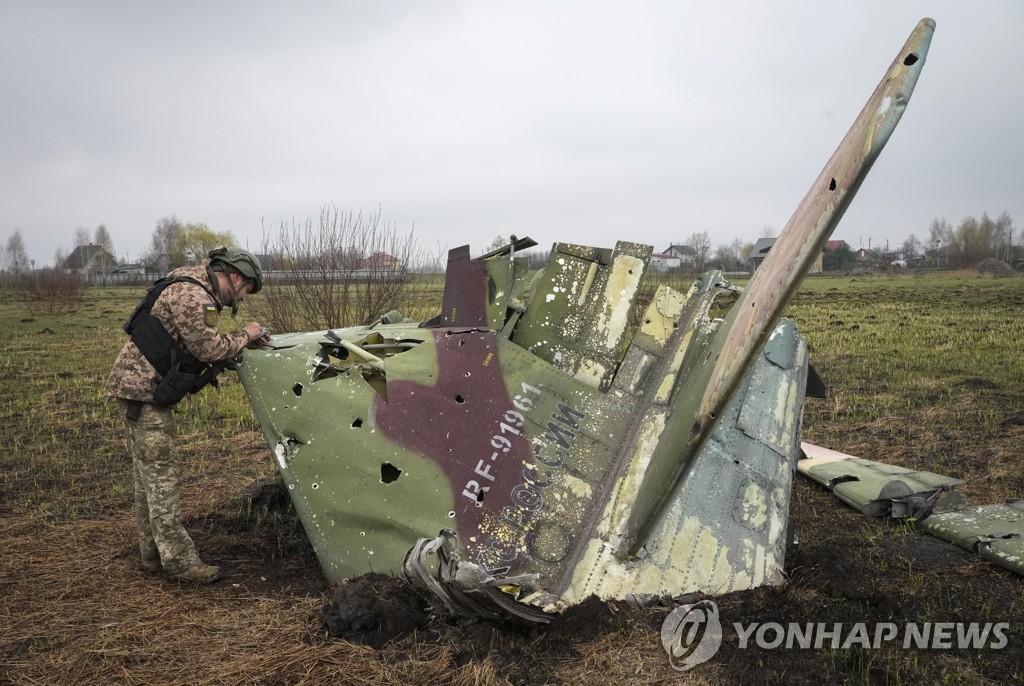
(51, 291)
(348, 269)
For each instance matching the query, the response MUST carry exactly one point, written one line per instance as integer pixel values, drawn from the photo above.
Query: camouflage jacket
(190, 317)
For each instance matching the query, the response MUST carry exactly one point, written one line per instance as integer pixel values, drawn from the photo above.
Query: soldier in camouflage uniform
(189, 314)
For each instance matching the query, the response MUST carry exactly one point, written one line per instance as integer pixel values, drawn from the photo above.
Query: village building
(764, 245)
(90, 259)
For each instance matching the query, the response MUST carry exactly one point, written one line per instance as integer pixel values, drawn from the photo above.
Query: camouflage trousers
(157, 473)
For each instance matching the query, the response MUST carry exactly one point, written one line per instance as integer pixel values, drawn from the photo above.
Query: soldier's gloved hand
(258, 334)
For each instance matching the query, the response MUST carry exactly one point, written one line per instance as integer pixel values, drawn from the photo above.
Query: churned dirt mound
(374, 609)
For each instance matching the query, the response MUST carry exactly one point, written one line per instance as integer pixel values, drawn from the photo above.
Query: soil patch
(374, 609)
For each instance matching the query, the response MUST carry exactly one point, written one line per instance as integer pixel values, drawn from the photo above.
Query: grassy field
(923, 372)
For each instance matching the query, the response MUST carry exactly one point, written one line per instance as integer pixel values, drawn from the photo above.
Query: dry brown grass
(78, 611)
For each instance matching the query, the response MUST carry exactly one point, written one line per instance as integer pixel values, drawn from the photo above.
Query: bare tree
(348, 269)
(161, 244)
(102, 238)
(940, 236)
(911, 247)
(940, 231)
(498, 242)
(1004, 231)
(739, 251)
(81, 237)
(701, 244)
(538, 259)
(15, 257)
(724, 258)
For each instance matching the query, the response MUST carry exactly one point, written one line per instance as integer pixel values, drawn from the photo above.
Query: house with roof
(686, 255)
(764, 245)
(662, 262)
(380, 261)
(89, 259)
(759, 252)
(866, 255)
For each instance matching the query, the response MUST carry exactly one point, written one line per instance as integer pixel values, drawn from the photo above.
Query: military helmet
(241, 261)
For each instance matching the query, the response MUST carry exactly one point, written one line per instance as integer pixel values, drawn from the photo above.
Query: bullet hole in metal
(910, 59)
(357, 423)
(389, 473)
(315, 486)
(459, 399)
(297, 389)
(462, 342)
(451, 515)
(832, 185)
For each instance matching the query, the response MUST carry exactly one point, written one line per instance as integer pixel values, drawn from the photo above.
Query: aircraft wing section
(874, 488)
(996, 532)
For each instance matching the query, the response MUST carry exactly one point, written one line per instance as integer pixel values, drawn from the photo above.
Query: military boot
(150, 564)
(200, 573)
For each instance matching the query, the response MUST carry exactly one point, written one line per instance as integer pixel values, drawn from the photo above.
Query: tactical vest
(181, 373)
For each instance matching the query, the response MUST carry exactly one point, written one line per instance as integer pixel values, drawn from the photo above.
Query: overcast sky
(582, 121)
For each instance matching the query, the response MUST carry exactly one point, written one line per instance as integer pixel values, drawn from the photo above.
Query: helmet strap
(234, 295)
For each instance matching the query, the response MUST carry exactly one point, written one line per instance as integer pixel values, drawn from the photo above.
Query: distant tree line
(974, 240)
(970, 243)
(175, 243)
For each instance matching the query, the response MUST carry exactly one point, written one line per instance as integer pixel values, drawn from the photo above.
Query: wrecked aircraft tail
(542, 442)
